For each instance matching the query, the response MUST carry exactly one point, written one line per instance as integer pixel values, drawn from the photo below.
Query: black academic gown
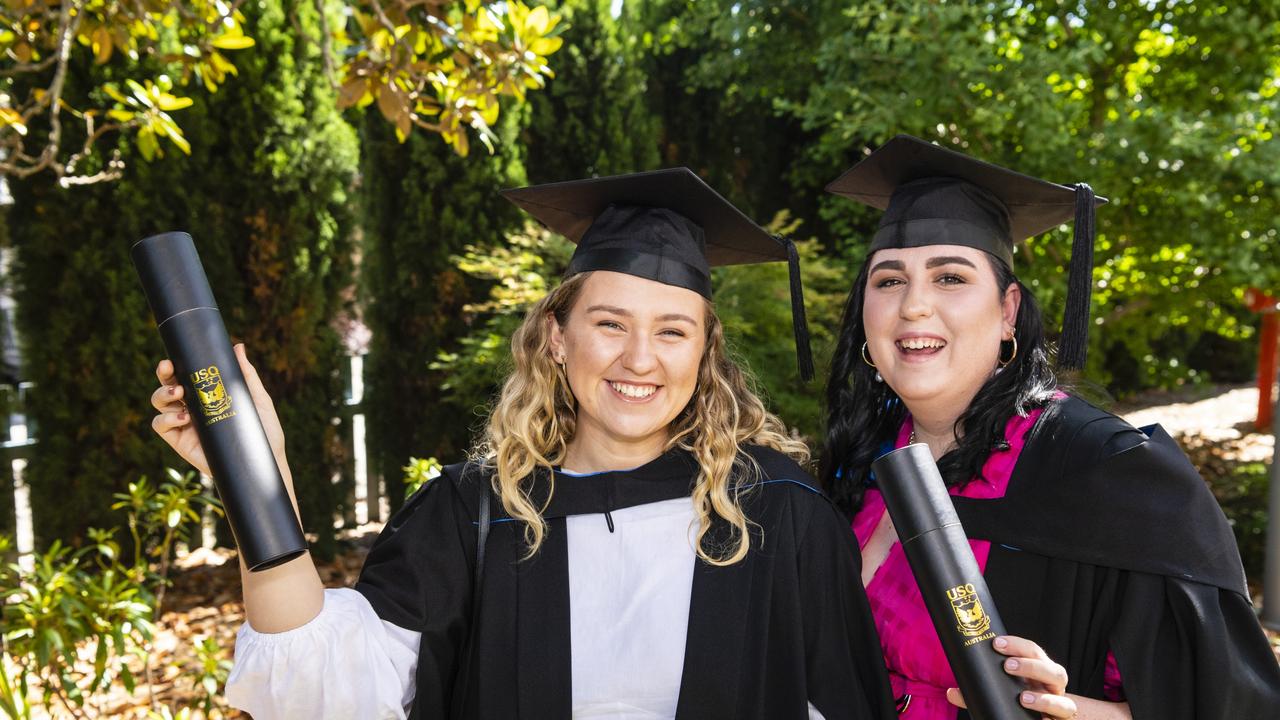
(786, 626)
(1108, 539)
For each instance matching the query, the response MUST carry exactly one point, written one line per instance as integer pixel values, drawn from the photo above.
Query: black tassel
(1074, 343)
(608, 504)
(798, 321)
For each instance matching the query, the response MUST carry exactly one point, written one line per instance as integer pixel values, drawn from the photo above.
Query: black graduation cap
(935, 196)
(663, 225)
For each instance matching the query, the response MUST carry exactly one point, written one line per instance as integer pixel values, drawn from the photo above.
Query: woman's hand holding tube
(1046, 682)
(277, 599)
(174, 422)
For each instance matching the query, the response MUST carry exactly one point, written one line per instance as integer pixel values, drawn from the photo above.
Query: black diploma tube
(954, 591)
(244, 469)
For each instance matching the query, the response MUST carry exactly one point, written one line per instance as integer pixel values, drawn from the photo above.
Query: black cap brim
(1034, 205)
(570, 208)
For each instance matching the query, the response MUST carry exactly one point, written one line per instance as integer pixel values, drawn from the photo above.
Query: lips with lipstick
(634, 392)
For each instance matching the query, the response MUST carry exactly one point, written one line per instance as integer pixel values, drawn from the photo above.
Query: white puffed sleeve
(345, 663)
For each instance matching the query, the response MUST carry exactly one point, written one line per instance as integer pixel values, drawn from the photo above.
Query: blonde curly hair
(535, 417)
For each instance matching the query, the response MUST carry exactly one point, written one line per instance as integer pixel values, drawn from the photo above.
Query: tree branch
(68, 26)
(25, 68)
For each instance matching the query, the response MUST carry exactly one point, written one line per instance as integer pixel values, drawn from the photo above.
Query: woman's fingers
(167, 397)
(1015, 646)
(1047, 673)
(167, 422)
(1050, 706)
(164, 372)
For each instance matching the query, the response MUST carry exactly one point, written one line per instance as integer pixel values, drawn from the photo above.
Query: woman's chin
(919, 387)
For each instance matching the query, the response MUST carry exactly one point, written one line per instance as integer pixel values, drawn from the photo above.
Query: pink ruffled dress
(912, 650)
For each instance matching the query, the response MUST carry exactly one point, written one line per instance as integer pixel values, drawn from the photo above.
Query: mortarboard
(935, 196)
(664, 225)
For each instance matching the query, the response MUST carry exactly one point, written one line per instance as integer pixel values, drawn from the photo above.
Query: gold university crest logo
(972, 619)
(213, 394)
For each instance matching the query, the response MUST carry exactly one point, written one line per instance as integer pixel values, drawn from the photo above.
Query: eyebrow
(888, 265)
(669, 317)
(949, 260)
(932, 263)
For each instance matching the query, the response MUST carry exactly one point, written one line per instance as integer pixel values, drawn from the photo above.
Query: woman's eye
(950, 279)
(609, 324)
(672, 332)
(888, 282)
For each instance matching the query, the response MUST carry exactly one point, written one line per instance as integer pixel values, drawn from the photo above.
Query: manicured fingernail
(1027, 698)
(1011, 664)
(1000, 643)
(173, 389)
(182, 415)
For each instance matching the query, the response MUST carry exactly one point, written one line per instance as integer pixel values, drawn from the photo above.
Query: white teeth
(920, 343)
(634, 391)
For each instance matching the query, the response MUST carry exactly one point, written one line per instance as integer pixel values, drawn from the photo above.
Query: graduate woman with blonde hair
(635, 538)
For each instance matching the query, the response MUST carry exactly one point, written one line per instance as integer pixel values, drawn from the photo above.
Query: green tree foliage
(422, 204)
(753, 303)
(593, 118)
(440, 66)
(520, 270)
(717, 110)
(266, 198)
(42, 127)
(1167, 108)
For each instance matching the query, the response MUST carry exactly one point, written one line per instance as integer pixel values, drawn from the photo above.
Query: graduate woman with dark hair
(634, 540)
(1111, 564)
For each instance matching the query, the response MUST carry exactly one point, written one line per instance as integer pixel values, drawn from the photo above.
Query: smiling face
(934, 318)
(631, 348)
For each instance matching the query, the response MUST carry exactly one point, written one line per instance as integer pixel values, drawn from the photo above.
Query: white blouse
(629, 596)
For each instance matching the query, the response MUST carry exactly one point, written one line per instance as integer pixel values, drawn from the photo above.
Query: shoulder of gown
(1090, 487)
(426, 551)
(1109, 540)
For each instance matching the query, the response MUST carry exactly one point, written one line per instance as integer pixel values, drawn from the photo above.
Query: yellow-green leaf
(115, 93)
(11, 118)
(536, 22)
(545, 46)
(147, 144)
(171, 102)
(233, 42)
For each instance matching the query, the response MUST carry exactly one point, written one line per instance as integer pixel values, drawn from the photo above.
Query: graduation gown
(1108, 539)
(787, 626)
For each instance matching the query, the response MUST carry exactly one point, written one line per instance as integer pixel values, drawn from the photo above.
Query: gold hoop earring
(1014, 354)
(866, 359)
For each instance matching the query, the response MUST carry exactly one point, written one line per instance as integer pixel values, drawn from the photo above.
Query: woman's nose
(638, 355)
(917, 302)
